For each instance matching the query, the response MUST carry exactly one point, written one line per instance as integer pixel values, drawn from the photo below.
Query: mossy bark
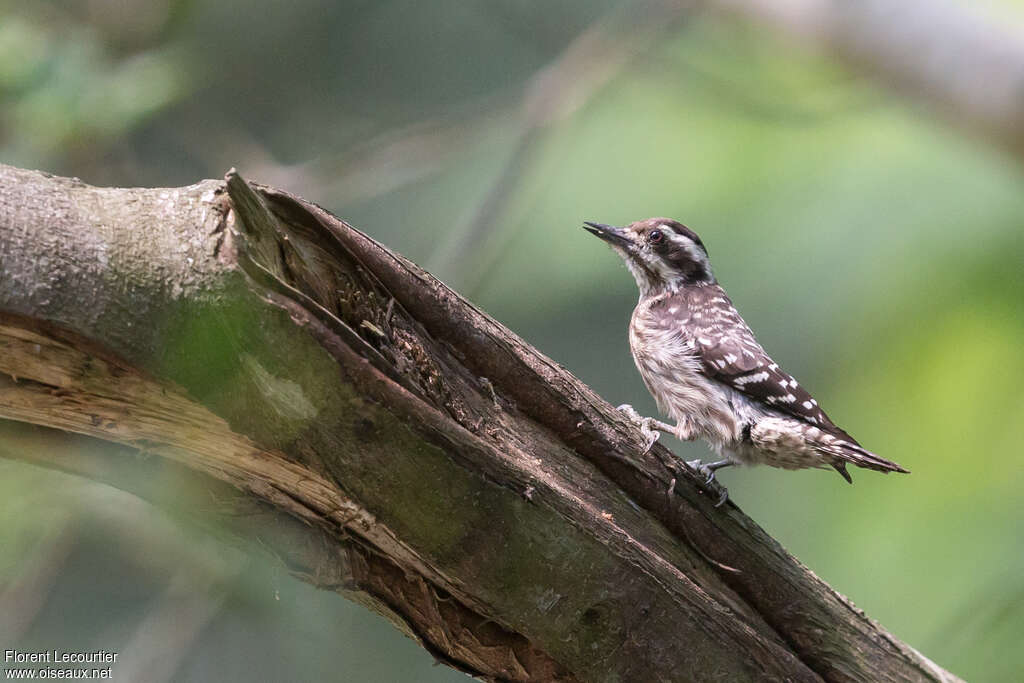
(445, 472)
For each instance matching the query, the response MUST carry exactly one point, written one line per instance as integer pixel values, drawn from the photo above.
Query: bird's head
(662, 254)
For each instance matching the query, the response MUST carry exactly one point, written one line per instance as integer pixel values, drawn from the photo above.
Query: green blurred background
(877, 252)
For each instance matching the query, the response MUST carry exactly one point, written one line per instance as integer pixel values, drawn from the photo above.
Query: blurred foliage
(878, 254)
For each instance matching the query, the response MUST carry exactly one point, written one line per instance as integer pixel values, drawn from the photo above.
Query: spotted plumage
(705, 369)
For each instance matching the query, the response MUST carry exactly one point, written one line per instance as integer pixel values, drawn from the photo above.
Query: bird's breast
(665, 357)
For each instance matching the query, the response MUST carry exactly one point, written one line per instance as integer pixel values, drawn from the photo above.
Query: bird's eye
(655, 236)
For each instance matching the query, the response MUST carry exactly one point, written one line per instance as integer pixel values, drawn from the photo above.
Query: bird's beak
(609, 233)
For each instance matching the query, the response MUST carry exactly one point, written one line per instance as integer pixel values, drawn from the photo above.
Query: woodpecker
(706, 370)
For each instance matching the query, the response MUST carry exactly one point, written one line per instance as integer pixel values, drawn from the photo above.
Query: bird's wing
(729, 353)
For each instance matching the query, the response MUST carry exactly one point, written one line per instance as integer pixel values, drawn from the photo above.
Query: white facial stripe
(694, 251)
(655, 271)
(654, 261)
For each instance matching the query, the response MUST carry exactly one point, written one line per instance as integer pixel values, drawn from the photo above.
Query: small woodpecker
(706, 370)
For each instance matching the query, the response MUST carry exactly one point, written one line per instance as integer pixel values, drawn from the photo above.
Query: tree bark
(324, 398)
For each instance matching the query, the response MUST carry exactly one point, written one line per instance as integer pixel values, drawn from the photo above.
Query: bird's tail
(855, 455)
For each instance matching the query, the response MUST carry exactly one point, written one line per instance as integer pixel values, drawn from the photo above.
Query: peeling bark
(390, 442)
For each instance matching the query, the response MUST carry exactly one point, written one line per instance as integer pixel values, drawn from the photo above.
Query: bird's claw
(651, 429)
(710, 484)
(646, 425)
(709, 474)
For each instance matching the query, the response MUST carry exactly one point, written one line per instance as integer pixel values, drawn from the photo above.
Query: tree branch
(389, 441)
(969, 68)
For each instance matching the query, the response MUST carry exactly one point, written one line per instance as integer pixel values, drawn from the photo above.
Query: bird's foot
(649, 427)
(711, 484)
